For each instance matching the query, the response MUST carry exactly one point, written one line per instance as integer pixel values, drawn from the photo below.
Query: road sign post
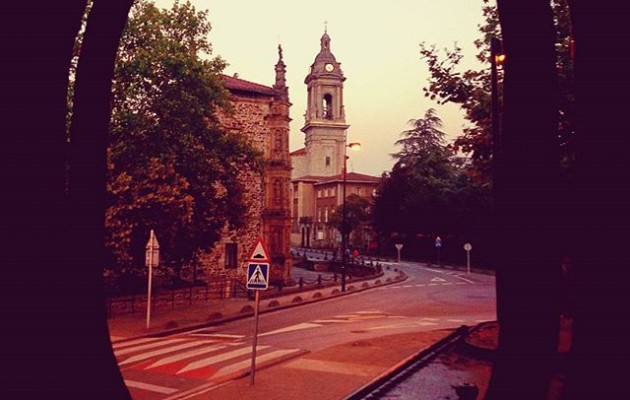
(151, 259)
(468, 247)
(257, 280)
(438, 246)
(399, 247)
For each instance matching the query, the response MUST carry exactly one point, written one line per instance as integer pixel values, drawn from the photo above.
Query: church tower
(325, 122)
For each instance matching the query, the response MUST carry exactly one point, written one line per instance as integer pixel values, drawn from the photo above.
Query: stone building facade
(318, 168)
(262, 116)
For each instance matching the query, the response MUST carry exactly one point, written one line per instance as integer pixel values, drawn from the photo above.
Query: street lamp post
(497, 58)
(344, 238)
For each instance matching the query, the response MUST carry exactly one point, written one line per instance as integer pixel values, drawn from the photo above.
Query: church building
(318, 168)
(262, 116)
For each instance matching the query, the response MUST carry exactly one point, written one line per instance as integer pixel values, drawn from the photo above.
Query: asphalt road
(429, 299)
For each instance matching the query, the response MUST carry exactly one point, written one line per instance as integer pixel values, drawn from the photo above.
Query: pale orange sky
(377, 44)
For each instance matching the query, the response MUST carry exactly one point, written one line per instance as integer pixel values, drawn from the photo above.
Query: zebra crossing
(171, 368)
(168, 368)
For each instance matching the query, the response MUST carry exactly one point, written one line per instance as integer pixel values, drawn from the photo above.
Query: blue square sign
(257, 276)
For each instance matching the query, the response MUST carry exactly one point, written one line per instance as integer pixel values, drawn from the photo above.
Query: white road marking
(218, 335)
(247, 363)
(150, 354)
(403, 325)
(328, 321)
(134, 342)
(147, 346)
(218, 358)
(436, 279)
(149, 387)
(420, 285)
(292, 328)
(463, 279)
(456, 320)
(185, 355)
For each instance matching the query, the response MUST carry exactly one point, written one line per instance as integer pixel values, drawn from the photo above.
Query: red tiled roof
(298, 152)
(353, 177)
(240, 85)
(310, 178)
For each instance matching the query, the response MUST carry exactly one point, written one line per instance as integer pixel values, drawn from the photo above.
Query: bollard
(301, 283)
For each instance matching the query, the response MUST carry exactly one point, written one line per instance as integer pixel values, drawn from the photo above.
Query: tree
(527, 207)
(54, 224)
(428, 191)
(357, 214)
(172, 167)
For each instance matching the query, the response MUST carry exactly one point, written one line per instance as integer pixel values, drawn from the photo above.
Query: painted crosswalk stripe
(247, 363)
(149, 387)
(218, 358)
(128, 350)
(292, 328)
(134, 342)
(159, 352)
(185, 355)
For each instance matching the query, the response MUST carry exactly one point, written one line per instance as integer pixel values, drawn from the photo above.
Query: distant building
(262, 116)
(317, 175)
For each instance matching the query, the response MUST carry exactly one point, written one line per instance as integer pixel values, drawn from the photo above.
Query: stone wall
(250, 120)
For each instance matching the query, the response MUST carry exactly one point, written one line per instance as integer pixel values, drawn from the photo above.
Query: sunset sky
(377, 44)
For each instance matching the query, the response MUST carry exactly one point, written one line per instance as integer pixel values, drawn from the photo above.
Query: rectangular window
(231, 255)
(328, 161)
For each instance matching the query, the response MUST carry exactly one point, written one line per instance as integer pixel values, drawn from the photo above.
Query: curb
(476, 349)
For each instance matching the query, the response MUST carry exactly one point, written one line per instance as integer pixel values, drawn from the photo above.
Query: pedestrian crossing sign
(257, 276)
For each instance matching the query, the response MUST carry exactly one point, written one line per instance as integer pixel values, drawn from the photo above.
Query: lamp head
(354, 146)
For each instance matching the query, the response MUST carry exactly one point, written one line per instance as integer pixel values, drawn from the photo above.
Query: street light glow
(354, 146)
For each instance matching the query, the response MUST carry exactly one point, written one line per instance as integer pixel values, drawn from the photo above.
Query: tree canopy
(471, 89)
(429, 191)
(171, 167)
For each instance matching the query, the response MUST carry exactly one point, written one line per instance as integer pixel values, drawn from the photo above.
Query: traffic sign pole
(399, 247)
(468, 247)
(152, 258)
(255, 340)
(468, 262)
(257, 280)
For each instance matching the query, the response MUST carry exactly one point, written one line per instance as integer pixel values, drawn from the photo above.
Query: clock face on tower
(329, 67)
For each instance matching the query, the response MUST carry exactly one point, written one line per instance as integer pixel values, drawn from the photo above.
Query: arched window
(327, 105)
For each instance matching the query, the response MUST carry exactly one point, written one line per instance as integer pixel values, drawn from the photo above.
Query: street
(430, 299)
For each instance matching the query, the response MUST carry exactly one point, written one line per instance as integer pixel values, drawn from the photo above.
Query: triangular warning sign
(436, 279)
(260, 252)
(257, 278)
